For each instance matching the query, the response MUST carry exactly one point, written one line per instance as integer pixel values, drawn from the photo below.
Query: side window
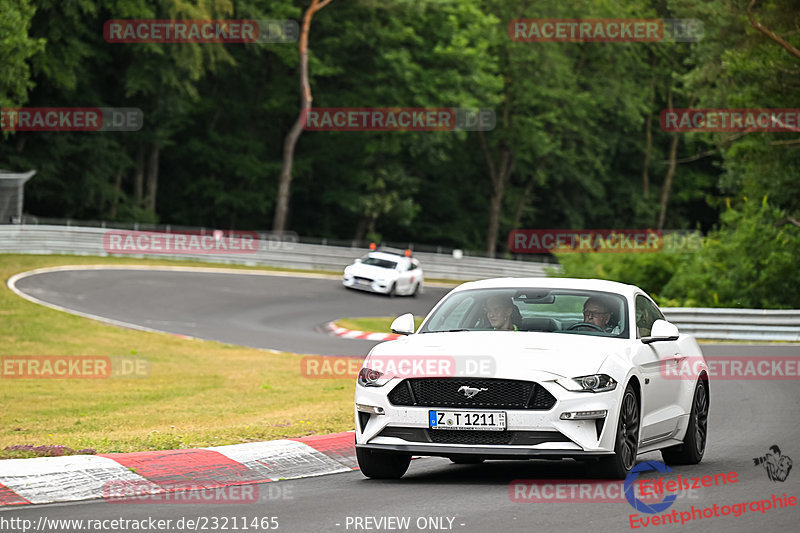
(646, 314)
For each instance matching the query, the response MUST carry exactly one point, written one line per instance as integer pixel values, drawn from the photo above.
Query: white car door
(661, 411)
(403, 285)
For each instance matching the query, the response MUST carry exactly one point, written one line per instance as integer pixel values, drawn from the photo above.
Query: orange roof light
(372, 246)
(408, 252)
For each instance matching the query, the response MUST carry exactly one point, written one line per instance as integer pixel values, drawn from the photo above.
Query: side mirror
(357, 261)
(403, 325)
(662, 331)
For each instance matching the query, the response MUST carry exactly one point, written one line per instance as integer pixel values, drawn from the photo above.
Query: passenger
(502, 313)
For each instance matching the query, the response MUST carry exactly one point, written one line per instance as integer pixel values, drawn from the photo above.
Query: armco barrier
(78, 240)
(736, 324)
(731, 324)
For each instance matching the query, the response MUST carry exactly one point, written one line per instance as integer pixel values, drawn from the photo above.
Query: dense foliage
(577, 142)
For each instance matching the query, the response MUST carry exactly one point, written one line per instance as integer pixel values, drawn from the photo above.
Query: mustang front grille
(453, 393)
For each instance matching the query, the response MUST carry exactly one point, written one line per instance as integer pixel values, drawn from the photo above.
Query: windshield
(532, 309)
(382, 263)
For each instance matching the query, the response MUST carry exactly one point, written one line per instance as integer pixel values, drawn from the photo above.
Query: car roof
(385, 255)
(552, 283)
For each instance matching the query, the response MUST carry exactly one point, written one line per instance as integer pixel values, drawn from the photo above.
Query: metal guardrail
(272, 251)
(724, 324)
(736, 324)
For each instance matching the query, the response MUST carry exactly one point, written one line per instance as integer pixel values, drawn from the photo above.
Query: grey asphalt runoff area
(746, 418)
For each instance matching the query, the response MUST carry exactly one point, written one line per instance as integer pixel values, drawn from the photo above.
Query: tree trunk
(495, 204)
(117, 192)
(285, 180)
(665, 190)
(152, 178)
(499, 177)
(523, 200)
(649, 141)
(361, 229)
(138, 176)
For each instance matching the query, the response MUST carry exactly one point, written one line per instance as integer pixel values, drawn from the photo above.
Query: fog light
(584, 415)
(372, 409)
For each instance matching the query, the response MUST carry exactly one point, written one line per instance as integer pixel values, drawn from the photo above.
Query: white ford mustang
(519, 368)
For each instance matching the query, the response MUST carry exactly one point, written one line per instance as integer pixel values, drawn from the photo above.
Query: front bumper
(381, 287)
(529, 432)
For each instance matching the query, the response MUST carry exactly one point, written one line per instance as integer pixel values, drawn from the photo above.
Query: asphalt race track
(746, 418)
(281, 313)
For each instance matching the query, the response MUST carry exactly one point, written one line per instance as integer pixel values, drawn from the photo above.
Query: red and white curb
(87, 477)
(333, 329)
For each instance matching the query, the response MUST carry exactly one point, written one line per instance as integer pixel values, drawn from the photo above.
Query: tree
(282, 204)
(16, 48)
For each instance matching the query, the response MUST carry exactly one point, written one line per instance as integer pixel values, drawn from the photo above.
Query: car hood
(543, 355)
(370, 271)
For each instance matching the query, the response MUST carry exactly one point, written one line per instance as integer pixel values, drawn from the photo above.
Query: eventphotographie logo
(777, 466)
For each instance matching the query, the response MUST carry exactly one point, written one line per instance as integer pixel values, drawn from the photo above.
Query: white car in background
(549, 382)
(385, 273)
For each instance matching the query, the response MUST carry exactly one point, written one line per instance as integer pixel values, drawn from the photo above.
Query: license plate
(476, 420)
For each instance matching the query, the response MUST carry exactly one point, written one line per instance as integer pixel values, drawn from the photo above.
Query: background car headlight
(369, 378)
(592, 383)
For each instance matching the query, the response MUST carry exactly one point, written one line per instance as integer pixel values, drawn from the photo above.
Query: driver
(598, 312)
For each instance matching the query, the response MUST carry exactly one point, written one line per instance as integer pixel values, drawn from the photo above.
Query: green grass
(376, 324)
(198, 393)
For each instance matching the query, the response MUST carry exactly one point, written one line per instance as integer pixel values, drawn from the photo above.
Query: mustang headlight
(369, 378)
(593, 383)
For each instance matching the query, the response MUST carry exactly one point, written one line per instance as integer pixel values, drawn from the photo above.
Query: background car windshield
(541, 310)
(383, 263)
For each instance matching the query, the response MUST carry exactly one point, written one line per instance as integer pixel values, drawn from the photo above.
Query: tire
(377, 464)
(416, 290)
(392, 291)
(467, 460)
(694, 443)
(626, 442)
